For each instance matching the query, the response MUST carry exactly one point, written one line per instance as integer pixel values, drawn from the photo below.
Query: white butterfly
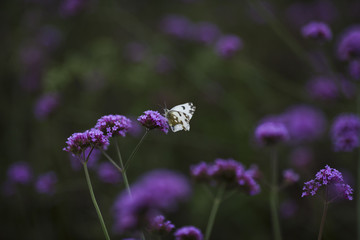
(179, 116)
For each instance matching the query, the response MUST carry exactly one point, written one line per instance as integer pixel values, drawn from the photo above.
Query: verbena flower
(228, 45)
(46, 105)
(345, 132)
(160, 226)
(156, 192)
(108, 173)
(323, 88)
(20, 172)
(325, 177)
(176, 26)
(227, 172)
(153, 119)
(354, 69)
(188, 233)
(290, 176)
(205, 32)
(271, 133)
(114, 125)
(317, 31)
(77, 143)
(349, 44)
(45, 183)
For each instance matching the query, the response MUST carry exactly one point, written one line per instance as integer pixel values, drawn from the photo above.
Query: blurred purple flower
(113, 125)
(91, 164)
(153, 119)
(157, 191)
(325, 177)
(304, 123)
(70, 8)
(46, 105)
(290, 176)
(228, 45)
(31, 57)
(200, 172)
(77, 143)
(349, 44)
(176, 26)
(323, 88)
(108, 173)
(164, 64)
(49, 37)
(188, 233)
(317, 31)
(345, 132)
(271, 133)
(354, 69)
(205, 32)
(160, 226)
(45, 183)
(20, 172)
(288, 209)
(135, 51)
(301, 157)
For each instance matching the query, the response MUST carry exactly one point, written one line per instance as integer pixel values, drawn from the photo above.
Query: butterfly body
(179, 116)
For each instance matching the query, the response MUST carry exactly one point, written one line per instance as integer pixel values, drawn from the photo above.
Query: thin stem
(213, 212)
(111, 160)
(94, 202)
(135, 150)
(322, 224)
(126, 182)
(274, 196)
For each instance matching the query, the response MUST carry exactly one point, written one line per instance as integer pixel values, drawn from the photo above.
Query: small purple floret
(45, 183)
(159, 225)
(349, 45)
(345, 132)
(228, 45)
(114, 125)
(290, 176)
(153, 119)
(188, 233)
(45, 105)
(20, 172)
(271, 133)
(316, 31)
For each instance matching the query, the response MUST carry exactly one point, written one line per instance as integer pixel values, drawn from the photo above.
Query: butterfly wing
(187, 108)
(179, 116)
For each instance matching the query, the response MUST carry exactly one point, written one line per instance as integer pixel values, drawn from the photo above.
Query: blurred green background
(89, 65)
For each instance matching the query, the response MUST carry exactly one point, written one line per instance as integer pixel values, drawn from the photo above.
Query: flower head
(323, 88)
(317, 31)
(108, 173)
(176, 26)
(270, 133)
(153, 119)
(45, 105)
(45, 183)
(20, 172)
(157, 191)
(349, 44)
(325, 177)
(114, 125)
(345, 132)
(228, 45)
(200, 172)
(160, 226)
(290, 176)
(188, 233)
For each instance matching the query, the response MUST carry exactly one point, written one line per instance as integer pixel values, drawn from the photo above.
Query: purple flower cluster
(271, 133)
(345, 132)
(45, 183)
(77, 143)
(157, 191)
(188, 233)
(226, 172)
(290, 176)
(326, 177)
(153, 119)
(20, 172)
(46, 105)
(160, 226)
(323, 88)
(349, 44)
(108, 173)
(114, 125)
(228, 45)
(317, 31)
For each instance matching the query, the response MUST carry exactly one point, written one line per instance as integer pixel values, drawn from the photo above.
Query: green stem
(135, 150)
(274, 196)
(126, 182)
(322, 224)
(94, 202)
(111, 160)
(213, 212)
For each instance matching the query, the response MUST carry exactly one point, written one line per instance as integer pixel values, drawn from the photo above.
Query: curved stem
(213, 212)
(274, 196)
(95, 203)
(135, 150)
(111, 160)
(322, 224)
(126, 182)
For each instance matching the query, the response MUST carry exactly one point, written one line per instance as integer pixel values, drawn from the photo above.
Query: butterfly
(179, 116)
